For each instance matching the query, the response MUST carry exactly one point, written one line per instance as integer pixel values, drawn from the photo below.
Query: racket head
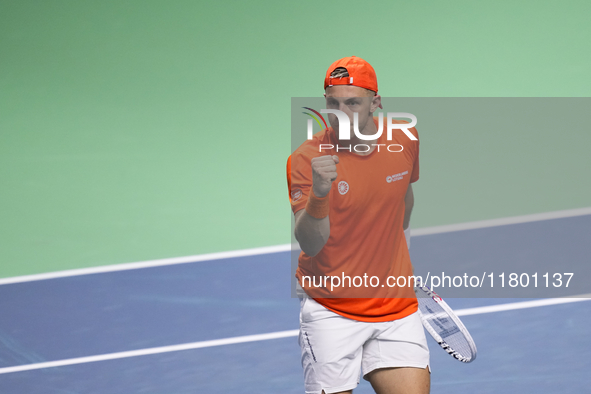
(444, 325)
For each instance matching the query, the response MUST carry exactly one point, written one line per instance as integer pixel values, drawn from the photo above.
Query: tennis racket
(444, 325)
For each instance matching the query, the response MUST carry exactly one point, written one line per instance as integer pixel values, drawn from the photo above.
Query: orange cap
(361, 74)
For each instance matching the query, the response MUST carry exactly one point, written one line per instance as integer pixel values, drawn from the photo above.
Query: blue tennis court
(139, 130)
(543, 349)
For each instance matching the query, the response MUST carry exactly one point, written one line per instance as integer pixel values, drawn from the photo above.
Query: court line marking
(287, 247)
(265, 337)
(537, 217)
(148, 264)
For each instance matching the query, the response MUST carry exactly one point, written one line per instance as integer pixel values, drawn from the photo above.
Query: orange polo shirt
(366, 235)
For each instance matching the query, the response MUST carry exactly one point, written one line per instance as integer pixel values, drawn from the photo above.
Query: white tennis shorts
(335, 349)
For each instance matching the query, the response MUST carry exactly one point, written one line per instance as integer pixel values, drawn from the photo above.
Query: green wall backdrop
(135, 130)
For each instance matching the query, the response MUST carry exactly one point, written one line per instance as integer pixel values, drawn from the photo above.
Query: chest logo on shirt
(396, 177)
(343, 187)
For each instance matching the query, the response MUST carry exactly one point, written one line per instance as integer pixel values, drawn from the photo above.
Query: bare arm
(312, 233)
(409, 202)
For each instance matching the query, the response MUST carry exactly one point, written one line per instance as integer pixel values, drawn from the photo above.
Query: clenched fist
(324, 172)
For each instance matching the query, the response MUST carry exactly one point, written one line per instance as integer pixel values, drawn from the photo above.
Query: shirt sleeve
(299, 180)
(415, 166)
(289, 177)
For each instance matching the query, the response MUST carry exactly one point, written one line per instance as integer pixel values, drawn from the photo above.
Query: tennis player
(352, 202)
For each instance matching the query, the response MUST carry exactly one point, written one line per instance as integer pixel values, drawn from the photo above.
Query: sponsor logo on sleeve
(296, 194)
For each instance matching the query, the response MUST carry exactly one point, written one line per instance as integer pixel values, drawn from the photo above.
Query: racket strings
(439, 321)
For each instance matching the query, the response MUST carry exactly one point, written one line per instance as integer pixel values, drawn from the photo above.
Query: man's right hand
(324, 172)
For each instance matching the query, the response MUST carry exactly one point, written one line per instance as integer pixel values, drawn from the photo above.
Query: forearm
(312, 227)
(311, 233)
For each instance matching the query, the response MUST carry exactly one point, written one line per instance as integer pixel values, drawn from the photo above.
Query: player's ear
(376, 102)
